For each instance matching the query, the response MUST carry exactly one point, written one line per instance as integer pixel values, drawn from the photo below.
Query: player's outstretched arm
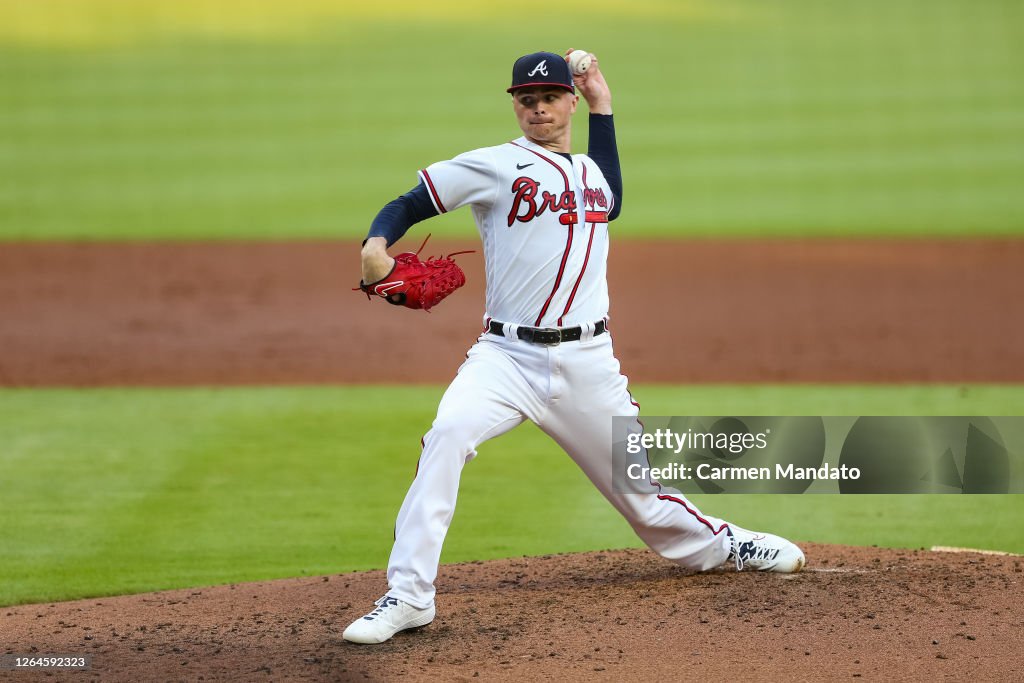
(388, 227)
(405, 280)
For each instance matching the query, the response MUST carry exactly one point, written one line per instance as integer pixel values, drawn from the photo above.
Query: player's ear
(575, 101)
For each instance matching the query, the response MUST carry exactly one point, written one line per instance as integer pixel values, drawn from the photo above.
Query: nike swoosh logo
(385, 289)
(520, 167)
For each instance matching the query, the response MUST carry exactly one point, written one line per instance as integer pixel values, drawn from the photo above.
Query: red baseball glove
(418, 284)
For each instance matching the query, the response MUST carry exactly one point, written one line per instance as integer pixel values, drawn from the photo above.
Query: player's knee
(452, 434)
(657, 527)
(646, 521)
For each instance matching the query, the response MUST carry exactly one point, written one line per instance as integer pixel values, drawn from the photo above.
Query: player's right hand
(593, 87)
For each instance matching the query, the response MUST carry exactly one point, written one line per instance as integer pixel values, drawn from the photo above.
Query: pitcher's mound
(615, 615)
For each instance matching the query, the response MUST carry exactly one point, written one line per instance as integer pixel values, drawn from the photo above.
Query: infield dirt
(867, 613)
(705, 311)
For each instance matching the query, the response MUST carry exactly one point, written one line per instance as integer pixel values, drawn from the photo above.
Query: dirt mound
(701, 311)
(854, 612)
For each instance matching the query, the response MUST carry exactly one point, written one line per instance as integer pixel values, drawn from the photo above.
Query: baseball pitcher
(545, 354)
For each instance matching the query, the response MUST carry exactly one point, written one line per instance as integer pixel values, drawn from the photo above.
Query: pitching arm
(603, 150)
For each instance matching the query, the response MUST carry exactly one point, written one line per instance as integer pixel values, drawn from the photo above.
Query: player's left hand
(413, 283)
(593, 87)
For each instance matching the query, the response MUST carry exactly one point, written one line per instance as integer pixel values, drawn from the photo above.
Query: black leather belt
(550, 336)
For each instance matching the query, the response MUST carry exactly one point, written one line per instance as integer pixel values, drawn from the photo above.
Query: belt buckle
(550, 330)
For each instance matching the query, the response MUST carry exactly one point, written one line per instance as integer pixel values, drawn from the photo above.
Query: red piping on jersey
(709, 525)
(568, 241)
(558, 280)
(433, 192)
(572, 294)
(665, 496)
(550, 161)
(586, 258)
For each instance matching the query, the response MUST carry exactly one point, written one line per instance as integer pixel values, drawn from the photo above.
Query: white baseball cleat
(389, 617)
(763, 552)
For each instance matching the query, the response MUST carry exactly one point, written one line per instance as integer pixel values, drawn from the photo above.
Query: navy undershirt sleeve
(605, 153)
(399, 215)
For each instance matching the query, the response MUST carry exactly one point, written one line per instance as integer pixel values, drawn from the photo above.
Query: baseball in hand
(579, 61)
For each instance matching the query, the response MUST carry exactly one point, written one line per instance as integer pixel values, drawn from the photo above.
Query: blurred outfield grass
(232, 119)
(109, 491)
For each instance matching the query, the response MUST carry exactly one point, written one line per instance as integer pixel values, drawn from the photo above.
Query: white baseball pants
(571, 391)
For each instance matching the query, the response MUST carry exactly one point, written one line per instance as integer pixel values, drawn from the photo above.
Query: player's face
(544, 114)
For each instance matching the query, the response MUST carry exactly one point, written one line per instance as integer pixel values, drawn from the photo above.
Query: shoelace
(752, 551)
(742, 552)
(382, 604)
(735, 550)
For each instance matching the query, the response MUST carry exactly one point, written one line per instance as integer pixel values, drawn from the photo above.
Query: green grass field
(110, 491)
(301, 119)
(227, 119)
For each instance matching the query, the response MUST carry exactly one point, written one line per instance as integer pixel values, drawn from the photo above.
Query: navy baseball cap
(541, 68)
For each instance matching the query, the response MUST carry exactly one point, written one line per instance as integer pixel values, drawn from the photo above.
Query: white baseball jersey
(543, 221)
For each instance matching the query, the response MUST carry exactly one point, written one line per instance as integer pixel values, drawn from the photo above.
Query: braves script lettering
(526, 206)
(594, 198)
